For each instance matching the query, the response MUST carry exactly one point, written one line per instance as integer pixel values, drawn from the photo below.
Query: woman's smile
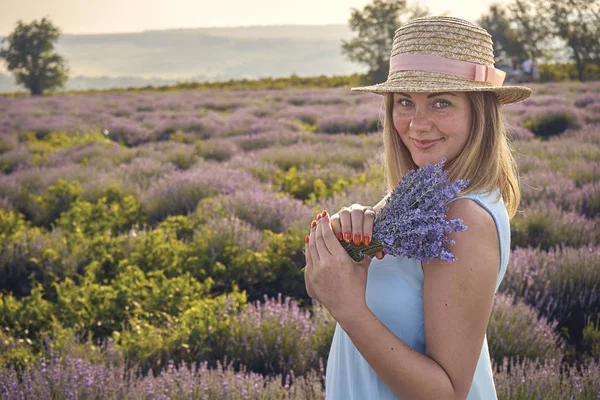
(425, 144)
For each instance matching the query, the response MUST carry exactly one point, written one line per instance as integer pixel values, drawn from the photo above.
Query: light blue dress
(395, 295)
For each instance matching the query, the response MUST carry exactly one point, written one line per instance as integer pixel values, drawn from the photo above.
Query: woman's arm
(457, 303)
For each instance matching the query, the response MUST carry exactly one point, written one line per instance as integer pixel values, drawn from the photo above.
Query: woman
(407, 329)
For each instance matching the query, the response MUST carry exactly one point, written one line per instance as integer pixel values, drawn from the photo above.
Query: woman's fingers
(336, 225)
(367, 225)
(357, 225)
(346, 224)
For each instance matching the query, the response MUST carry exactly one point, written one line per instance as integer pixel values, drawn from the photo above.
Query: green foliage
(560, 72)
(505, 38)
(12, 226)
(591, 339)
(199, 334)
(293, 81)
(31, 57)
(577, 24)
(372, 45)
(16, 352)
(57, 200)
(100, 309)
(28, 318)
(277, 269)
(308, 186)
(114, 211)
(44, 141)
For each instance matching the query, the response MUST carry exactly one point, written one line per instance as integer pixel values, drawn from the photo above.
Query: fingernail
(318, 217)
(347, 236)
(324, 213)
(367, 240)
(357, 239)
(340, 236)
(314, 223)
(306, 239)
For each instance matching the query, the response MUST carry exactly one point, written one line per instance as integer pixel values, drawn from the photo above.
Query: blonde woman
(407, 329)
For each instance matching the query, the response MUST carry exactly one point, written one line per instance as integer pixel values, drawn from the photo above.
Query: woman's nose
(420, 121)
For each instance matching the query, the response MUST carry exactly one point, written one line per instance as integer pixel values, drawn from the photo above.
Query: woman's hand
(355, 223)
(332, 277)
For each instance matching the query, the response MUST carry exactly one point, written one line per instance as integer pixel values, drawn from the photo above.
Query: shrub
(267, 210)
(114, 212)
(180, 192)
(353, 122)
(585, 100)
(552, 121)
(277, 337)
(520, 133)
(216, 149)
(544, 225)
(591, 339)
(547, 380)
(544, 185)
(515, 332)
(65, 377)
(586, 200)
(563, 284)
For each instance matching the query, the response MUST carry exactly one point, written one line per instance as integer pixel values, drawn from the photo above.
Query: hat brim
(434, 82)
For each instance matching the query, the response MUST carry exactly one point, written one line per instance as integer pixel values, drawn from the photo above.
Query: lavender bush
(265, 210)
(180, 192)
(563, 284)
(74, 378)
(515, 332)
(547, 380)
(543, 224)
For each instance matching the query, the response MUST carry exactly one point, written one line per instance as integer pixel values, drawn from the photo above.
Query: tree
(31, 57)
(532, 25)
(577, 23)
(505, 38)
(518, 30)
(376, 25)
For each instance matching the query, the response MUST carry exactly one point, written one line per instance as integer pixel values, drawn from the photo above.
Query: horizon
(74, 17)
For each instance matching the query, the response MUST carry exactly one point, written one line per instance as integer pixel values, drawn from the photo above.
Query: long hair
(486, 159)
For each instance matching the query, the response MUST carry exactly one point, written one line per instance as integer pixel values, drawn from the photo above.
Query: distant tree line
(543, 31)
(547, 31)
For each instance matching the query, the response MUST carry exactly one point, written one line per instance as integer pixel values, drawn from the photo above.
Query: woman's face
(433, 125)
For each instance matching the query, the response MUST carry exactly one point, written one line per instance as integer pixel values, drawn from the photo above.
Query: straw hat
(445, 54)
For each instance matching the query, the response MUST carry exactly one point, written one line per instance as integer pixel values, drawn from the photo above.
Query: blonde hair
(486, 159)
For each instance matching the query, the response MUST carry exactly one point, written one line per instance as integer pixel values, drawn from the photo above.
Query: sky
(120, 16)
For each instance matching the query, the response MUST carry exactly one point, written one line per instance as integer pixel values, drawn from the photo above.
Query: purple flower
(413, 221)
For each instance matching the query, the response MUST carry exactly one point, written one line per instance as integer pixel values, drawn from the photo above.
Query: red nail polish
(367, 240)
(347, 236)
(314, 223)
(357, 239)
(318, 217)
(306, 239)
(340, 236)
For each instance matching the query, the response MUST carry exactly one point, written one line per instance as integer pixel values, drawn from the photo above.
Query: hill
(102, 61)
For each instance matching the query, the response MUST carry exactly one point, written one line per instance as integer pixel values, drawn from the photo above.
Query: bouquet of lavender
(413, 221)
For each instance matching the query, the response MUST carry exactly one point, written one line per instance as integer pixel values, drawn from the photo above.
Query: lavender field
(151, 243)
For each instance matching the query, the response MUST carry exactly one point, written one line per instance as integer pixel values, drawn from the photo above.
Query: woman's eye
(405, 102)
(441, 103)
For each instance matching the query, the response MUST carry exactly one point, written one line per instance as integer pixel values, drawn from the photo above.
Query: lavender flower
(413, 221)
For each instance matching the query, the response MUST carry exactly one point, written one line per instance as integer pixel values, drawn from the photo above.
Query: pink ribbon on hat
(465, 69)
